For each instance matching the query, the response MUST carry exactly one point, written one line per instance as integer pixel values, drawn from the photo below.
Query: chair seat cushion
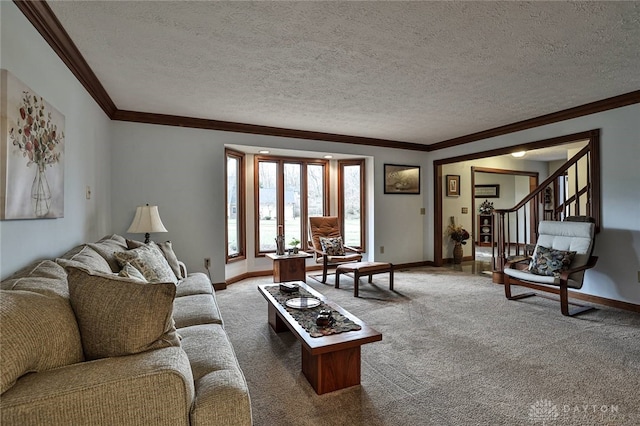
(539, 279)
(354, 257)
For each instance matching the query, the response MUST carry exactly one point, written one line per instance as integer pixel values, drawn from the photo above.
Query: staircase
(573, 190)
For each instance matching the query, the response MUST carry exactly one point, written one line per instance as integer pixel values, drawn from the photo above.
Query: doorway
(503, 188)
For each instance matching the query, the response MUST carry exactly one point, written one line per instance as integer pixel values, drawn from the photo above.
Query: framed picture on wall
(453, 185)
(401, 179)
(487, 191)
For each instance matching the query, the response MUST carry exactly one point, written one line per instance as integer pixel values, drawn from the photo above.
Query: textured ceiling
(419, 72)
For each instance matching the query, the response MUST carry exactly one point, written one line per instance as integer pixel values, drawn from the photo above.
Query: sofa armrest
(153, 387)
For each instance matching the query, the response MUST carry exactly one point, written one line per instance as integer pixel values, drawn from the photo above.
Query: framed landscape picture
(401, 179)
(31, 153)
(453, 185)
(487, 191)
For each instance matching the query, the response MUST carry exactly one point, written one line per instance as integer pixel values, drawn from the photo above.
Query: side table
(289, 267)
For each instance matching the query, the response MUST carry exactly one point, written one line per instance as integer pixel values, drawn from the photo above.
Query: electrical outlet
(207, 262)
(422, 210)
(381, 249)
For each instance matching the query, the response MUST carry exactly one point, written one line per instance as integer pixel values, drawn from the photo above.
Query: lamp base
(147, 238)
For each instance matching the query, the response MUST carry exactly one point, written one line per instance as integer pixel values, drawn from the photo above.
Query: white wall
(182, 171)
(618, 244)
(87, 153)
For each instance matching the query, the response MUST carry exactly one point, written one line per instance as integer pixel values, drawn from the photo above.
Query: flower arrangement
(35, 134)
(458, 233)
(294, 242)
(486, 207)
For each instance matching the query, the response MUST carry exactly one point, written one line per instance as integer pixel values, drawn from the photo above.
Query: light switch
(465, 210)
(88, 192)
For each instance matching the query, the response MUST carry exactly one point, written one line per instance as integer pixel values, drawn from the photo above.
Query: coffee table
(329, 362)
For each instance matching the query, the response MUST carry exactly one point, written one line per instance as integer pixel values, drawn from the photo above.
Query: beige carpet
(454, 352)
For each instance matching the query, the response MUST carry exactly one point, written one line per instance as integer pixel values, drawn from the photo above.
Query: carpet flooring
(454, 351)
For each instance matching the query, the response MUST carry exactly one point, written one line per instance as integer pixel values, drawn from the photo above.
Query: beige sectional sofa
(83, 343)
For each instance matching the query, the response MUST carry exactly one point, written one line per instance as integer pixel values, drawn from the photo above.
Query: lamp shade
(146, 220)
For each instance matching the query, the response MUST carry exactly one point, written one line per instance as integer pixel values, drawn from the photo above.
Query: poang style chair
(328, 245)
(561, 256)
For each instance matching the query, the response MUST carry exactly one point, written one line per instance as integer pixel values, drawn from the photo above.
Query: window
(351, 201)
(234, 200)
(289, 190)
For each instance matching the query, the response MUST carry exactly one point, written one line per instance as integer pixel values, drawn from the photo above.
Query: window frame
(304, 213)
(240, 207)
(341, 203)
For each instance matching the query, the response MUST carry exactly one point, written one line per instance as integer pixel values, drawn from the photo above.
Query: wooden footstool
(364, 268)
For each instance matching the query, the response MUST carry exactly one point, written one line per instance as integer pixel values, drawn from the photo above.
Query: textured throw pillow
(119, 316)
(128, 271)
(172, 259)
(85, 256)
(550, 262)
(332, 246)
(37, 333)
(149, 260)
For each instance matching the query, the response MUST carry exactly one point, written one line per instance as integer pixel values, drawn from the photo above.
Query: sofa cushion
(149, 260)
(196, 309)
(332, 246)
(221, 389)
(196, 283)
(549, 262)
(85, 256)
(37, 332)
(43, 277)
(108, 246)
(119, 316)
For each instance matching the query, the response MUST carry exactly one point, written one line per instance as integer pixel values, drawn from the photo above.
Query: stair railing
(569, 191)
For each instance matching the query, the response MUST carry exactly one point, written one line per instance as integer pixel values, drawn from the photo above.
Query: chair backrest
(323, 226)
(570, 236)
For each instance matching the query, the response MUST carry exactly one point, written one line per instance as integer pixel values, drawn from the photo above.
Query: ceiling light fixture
(519, 154)
(264, 151)
(328, 156)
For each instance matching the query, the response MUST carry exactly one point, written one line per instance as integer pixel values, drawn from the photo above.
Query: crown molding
(227, 126)
(567, 114)
(47, 24)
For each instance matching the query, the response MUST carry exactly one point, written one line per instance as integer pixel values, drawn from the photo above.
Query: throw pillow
(172, 259)
(549, 262)
(37, 333)
(149, 260)
(332, 246)
(128, 271)
(119, 316)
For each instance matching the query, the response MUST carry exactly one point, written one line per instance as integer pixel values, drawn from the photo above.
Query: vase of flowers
(486, 208)
(459, 235)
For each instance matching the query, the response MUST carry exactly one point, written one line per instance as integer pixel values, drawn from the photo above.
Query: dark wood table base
(330, 362)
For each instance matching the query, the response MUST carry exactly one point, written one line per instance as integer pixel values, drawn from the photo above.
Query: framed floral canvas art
(32, 153)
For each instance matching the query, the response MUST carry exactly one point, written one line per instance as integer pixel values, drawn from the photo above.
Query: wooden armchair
(327, 229)
(577, 237)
